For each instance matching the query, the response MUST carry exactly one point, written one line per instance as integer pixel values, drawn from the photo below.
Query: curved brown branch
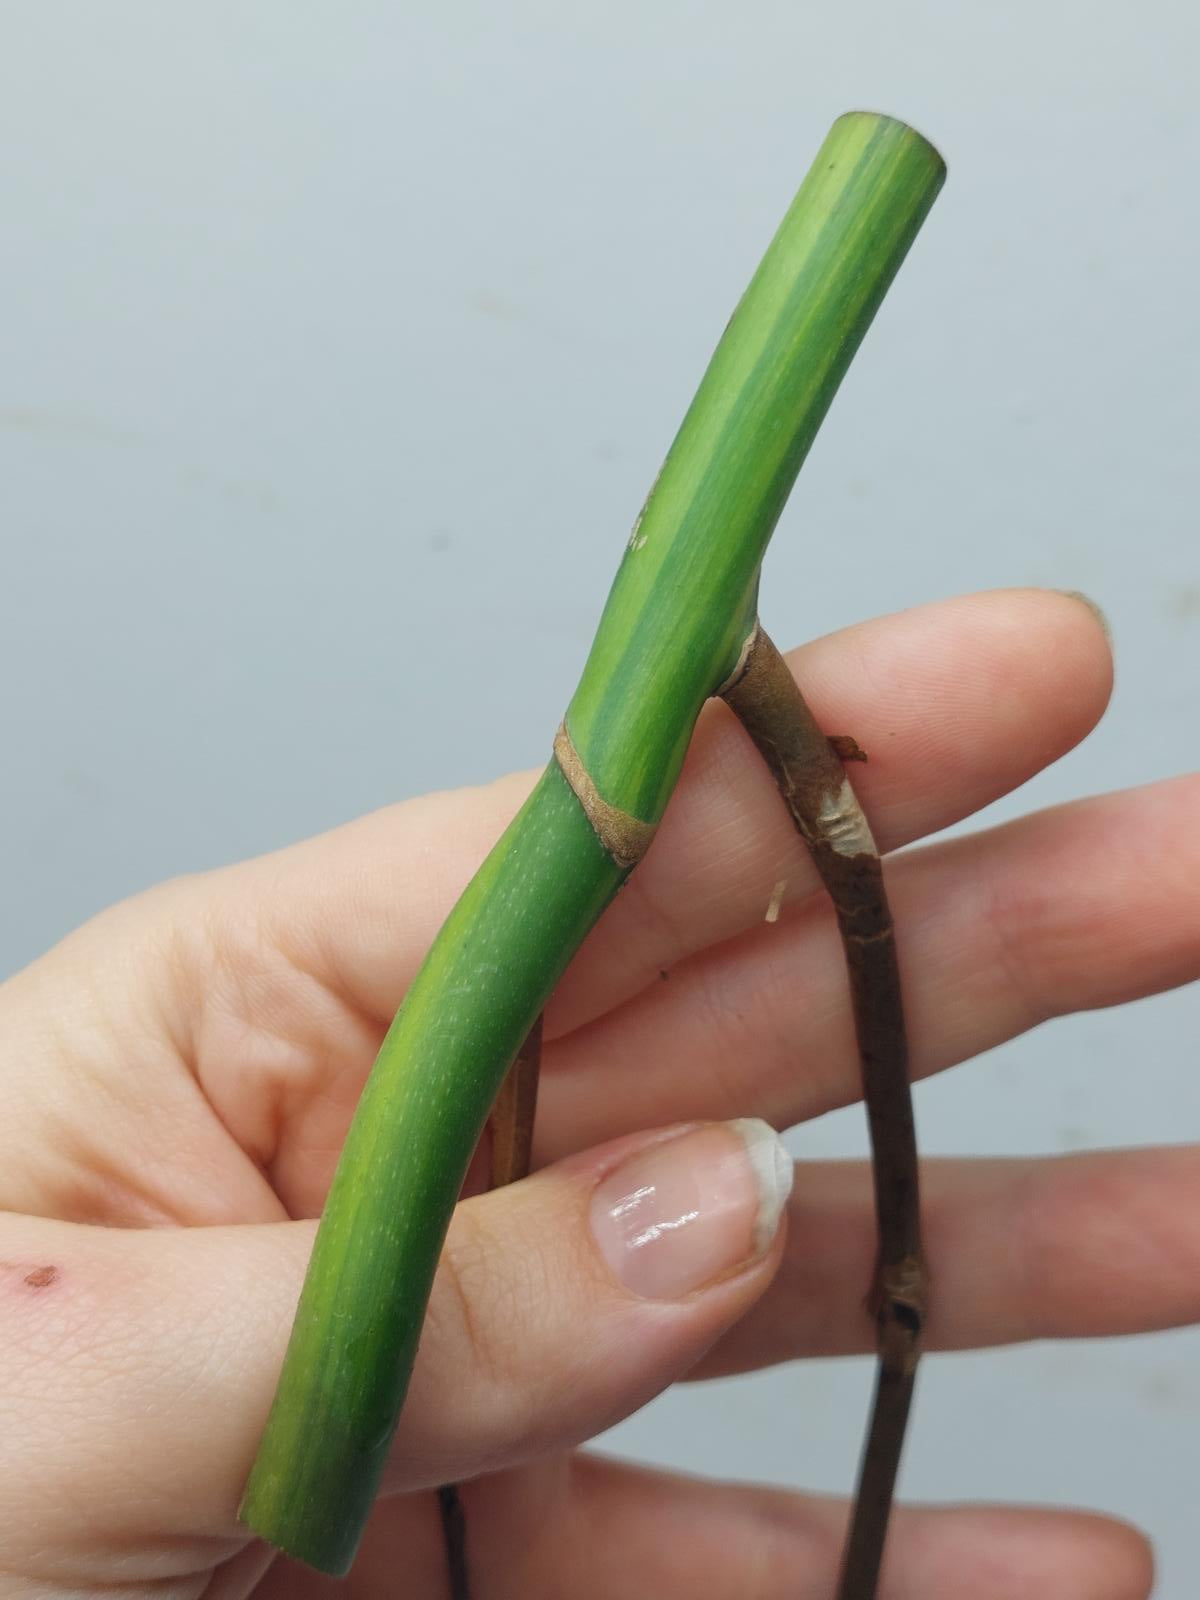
(512, 1149)
(807, 767)
(454, 1537)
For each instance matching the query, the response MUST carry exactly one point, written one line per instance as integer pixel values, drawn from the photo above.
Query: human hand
(180, 1073)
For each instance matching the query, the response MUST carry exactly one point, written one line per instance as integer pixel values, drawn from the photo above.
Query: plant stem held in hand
(676, 629)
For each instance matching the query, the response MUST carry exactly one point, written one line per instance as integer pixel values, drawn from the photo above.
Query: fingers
(1063, 1247)
(659, 1534)
(293, 965)
(570, 1299)
(599, 1529)
(139, 1365)
(952, 701)
(275, 980)
(1088, 905)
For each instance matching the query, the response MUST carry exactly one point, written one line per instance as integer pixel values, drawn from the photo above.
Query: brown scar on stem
(41, 1277)
(625, 838)
(846, 747)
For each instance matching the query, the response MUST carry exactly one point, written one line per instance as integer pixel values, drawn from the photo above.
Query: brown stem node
(626, 838)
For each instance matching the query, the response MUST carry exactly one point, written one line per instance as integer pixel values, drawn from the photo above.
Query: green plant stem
(679, 612)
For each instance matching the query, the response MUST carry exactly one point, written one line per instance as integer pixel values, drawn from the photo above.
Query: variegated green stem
(682, 604)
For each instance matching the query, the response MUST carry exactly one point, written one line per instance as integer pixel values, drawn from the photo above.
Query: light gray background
(328, 331)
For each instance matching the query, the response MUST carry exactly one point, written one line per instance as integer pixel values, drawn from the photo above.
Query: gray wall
(328, 331)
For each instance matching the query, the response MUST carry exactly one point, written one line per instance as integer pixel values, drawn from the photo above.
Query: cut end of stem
(901, 126)
(327, 1544)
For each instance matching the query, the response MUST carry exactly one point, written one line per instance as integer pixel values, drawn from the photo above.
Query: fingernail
(692, 1209)
(1086, 600)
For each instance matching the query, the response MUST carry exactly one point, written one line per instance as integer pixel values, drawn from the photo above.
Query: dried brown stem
(808, 770)
(512, 1150)
(454, 1537)
(512, 1114)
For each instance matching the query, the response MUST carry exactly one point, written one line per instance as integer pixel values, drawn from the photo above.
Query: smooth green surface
(682, 603)
(685, 594)
(485, 979)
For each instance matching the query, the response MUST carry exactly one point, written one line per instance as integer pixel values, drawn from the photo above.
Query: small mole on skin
(41, 1277)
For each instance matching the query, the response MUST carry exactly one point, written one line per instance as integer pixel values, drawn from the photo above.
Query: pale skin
(179, 1074)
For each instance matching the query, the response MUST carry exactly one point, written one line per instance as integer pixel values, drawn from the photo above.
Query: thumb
(564, 1302)
(136, 1371)
(139, 1365)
